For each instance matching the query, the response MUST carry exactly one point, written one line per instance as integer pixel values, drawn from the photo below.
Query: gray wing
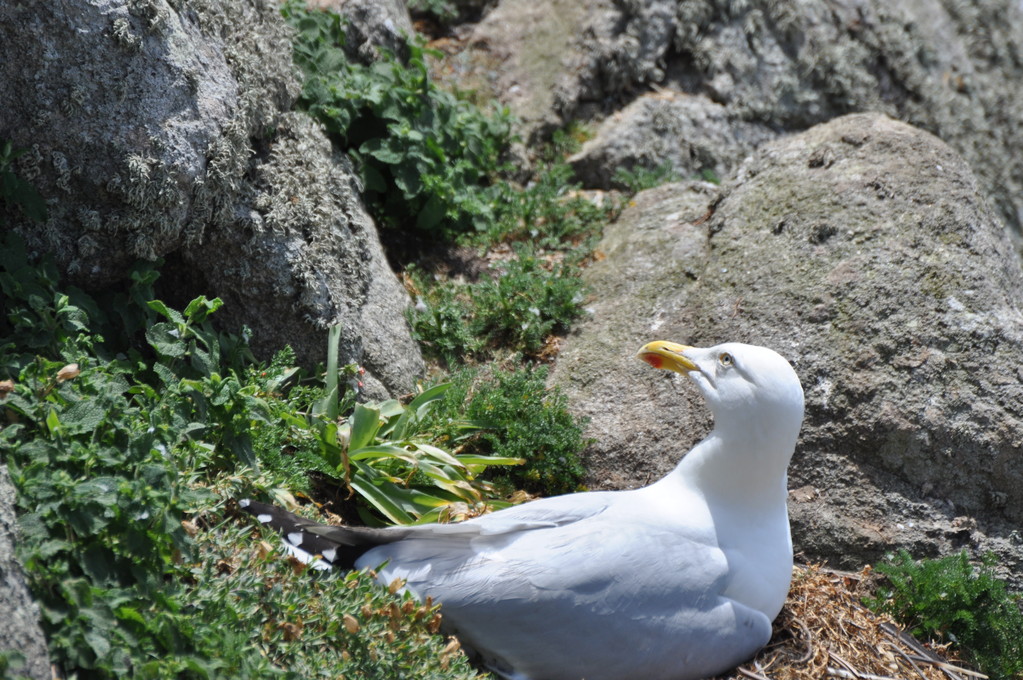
(604, 595)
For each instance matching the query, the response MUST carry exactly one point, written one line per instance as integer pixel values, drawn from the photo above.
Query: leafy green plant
(442, 10)
(639, 177)
(550, 212)
(951, 600)
(404, 477)
(105, 450)
(527, 300)
(425, 156)
(331, 625)
(518, 417)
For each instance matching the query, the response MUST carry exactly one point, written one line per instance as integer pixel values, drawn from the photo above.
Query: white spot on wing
(264, 518)
(295, 538)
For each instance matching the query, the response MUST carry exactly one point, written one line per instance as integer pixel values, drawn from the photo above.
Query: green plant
(442, 10)
(106, 450)
(639, 177)
(949, 599)
(549, 212)
(426, 157)
(527, 300)
(16, 191)
(403, 476)
(518, 417)
(313, 626)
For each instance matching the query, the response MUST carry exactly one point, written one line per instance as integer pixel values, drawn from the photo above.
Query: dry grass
(824, 632)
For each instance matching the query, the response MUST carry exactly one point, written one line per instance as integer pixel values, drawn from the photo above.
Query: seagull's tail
(319, 545)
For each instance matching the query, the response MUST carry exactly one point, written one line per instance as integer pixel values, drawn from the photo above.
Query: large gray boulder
(164, 129)
(19, 625)
(687, 135)
(865, 252)
(952, 68)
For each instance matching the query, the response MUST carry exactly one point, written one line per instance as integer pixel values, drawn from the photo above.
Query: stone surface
(19, 625)
(164, 130)
(949, 67)
(688, 134)
(864, 251)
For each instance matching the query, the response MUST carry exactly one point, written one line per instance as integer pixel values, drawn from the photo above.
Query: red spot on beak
(655, 360)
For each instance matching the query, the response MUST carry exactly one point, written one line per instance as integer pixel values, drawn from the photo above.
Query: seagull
(677, 580)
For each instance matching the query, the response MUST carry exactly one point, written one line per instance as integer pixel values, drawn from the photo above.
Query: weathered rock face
(864, 251)
(688, 134)
(19, 625)
(163, 130)
(952, 68)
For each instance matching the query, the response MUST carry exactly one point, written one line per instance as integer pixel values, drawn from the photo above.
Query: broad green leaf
(199, 308)
(84, 415)
(165, 338)
(440, 454)
(418, 408)
(329, 448)
(378, 499)
(53, 422)
(202, 361)
(331, 405)
(277, 383)
(390, 408)
(470, 459)
(241, 447)
(431, 214)
(385, 153)
(166, 312)
(383, 451)
(365, 422)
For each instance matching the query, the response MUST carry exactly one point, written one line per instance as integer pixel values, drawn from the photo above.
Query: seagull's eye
(725, 359)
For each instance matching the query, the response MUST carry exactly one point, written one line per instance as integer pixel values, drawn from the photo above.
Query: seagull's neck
(745, 466)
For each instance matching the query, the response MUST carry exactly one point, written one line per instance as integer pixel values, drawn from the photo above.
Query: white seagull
(678, 580)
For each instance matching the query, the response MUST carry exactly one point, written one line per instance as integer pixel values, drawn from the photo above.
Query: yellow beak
(663, 354)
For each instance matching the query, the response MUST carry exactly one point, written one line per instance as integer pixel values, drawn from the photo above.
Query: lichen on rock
(154, 129)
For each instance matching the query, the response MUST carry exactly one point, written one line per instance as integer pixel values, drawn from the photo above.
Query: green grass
(951, 600)
(426, 156)
(516, 306)
(518, 417)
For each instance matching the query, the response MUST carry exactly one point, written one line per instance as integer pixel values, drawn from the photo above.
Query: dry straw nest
(825, 632)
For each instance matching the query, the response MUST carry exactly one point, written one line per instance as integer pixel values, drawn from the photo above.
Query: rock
(19, 626)
(689, 135)
(954, 69)
(164, 130)
(864, 251)
(534, 43)
(372, 24)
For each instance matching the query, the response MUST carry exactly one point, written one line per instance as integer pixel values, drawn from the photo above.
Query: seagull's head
(743, 384)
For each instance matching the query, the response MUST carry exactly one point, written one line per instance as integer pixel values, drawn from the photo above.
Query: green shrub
(639, 178)
(310, 625)
(526, 301)
(950, 600)
(425, 156)
(549, 212)
(519, 417)
(106, 465)
(121, 459)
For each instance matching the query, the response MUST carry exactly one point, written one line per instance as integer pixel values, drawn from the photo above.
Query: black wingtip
(315, 543)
